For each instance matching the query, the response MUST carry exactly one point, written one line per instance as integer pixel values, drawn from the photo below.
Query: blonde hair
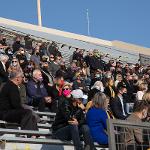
(109, 81)
(143, 87)
(146, 97)
(100, 100)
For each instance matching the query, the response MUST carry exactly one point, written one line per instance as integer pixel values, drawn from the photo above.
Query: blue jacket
(33, 92)
(96, 120)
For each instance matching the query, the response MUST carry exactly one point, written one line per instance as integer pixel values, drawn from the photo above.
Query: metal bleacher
(11, 137)
(17, 139)
(16, 136)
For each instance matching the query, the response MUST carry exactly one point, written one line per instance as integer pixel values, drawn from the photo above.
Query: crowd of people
(83, 94)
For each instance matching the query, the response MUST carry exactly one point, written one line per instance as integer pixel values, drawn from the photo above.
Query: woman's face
(111, 82)
(15, 62)
(67, 91)
(66, 88)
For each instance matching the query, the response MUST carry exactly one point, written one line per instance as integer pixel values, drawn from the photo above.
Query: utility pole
(39, 12)
(88, 22)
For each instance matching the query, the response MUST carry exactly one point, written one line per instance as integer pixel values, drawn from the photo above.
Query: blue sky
(124, 20)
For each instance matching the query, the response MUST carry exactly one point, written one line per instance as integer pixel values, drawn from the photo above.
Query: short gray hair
(3, 57)
(14, 74)
(35, 72)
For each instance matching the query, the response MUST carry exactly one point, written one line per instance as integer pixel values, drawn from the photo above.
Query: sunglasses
(66, 89)
(14, 61)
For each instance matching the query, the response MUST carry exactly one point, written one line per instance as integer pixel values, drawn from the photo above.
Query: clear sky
(124, 20)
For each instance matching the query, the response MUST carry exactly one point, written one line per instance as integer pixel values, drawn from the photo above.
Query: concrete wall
(131, 47)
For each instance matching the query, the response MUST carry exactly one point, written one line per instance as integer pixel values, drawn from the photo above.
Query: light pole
(88, 22)
(39, 12)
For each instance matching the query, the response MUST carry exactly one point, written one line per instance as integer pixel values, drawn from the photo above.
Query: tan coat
(133, 135)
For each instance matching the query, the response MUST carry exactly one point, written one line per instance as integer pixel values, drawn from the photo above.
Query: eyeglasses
(14, 61)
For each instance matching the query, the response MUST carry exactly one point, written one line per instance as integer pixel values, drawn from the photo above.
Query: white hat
(77, 94)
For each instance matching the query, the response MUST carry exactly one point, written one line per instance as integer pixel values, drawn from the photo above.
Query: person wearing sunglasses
(70, 122)
(14, 65)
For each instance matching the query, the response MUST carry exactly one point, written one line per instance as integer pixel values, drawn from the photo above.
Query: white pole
(39, 12)
(88, 22)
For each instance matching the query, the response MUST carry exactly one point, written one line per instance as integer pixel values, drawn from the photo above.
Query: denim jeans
(72, 132)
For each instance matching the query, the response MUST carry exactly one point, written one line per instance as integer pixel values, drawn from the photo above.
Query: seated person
(11, 109)
(55, 92)
(36, 92)
(96, 118)
(134, 136)
(97, 87)
(70, 121)
(118, 104)
(3, 69)
(79, 83)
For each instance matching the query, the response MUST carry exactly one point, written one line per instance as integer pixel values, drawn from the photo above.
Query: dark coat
(116, 108)
(16, 46)
(108, 92)
(10, 97)
(3, 74)
(65, 112)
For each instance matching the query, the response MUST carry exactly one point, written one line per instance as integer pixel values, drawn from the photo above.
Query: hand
(48, 99)
(81, 88)
(21, 61)
(81, 106)
(74, 121)
(49, 84)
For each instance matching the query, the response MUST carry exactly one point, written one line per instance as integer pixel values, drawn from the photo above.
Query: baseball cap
(77, 94)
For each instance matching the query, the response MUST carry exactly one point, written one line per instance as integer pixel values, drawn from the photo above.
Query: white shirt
(139, 95)
(3, 66)
(121, 100)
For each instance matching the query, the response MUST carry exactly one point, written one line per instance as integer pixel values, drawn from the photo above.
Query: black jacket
(65, 112)
(95, 63)
(16, 46)
(116, 108)
(10, 97)
(107, 91)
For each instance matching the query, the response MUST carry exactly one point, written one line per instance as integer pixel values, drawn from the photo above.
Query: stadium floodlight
(39, 12)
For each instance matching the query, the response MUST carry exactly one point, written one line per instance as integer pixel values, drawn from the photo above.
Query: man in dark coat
(16, 45)
(11, 109)
(3, 69)
(118, 106)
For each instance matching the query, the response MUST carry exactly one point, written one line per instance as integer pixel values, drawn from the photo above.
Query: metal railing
(118, 130)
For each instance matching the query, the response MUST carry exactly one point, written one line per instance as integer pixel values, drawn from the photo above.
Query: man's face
(144, 113)
(77, 102)
(38, 75)
(129, 77)
(60, 81)
(122, 91)
(18, 39)
(51, 57)
(20, 79)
